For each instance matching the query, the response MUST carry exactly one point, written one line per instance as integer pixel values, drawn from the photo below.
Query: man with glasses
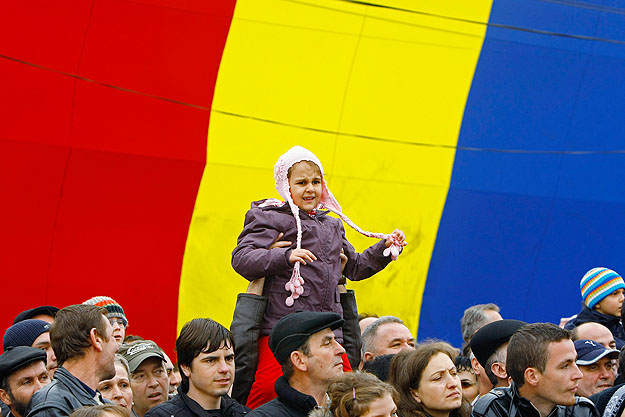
(116, 315)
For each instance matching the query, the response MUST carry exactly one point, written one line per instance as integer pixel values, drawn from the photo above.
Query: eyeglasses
(121, 322)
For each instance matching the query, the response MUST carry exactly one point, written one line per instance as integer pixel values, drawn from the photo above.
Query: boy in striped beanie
(116, 315)
(603, 292)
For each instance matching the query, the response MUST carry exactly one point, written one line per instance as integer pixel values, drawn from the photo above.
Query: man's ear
(368, 356)
(531, 376)
(299, 360)
(477, 368)
(96, 339)
(499, 369)
(186, 370)
(5, 398)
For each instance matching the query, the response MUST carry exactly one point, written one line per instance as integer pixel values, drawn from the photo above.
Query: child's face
(611, 305)
(305, 185)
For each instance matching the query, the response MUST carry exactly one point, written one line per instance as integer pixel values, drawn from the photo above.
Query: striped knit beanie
(281, 173)
(112, 306)
(598, 283)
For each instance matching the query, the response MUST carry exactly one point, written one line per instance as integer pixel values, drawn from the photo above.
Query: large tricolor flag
(135, 133)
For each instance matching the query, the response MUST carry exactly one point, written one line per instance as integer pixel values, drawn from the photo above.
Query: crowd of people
(297, 346)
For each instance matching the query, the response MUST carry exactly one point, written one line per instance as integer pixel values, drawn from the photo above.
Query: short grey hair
(371, 331)
(474, 318)
(500, 355)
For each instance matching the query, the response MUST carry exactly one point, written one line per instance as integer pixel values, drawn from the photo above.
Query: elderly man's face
(391, 338)
(596, 377)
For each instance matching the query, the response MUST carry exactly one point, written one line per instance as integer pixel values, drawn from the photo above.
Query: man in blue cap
(304, 344)
(22, 373)
(595, 362)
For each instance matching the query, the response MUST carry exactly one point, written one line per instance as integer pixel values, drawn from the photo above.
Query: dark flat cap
(18, 357)
(292, 331)
(29, 314)
(486, 340)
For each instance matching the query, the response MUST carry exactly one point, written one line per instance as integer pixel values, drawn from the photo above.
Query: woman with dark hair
(358, 394)
(427, 383)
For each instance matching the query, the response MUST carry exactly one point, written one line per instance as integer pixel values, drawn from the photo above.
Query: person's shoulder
(273, 408)
(584, 407)
(495, 398)
(233, 408)
(169, 408)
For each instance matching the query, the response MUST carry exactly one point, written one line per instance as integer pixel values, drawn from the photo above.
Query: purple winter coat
(324, 236)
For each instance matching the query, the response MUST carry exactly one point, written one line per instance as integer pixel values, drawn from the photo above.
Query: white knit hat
(281, 170)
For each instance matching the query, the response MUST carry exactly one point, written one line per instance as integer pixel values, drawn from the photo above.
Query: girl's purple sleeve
(251, 258)
(363, 265)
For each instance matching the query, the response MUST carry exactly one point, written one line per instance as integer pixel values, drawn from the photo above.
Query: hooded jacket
(62, 396)
(611, 322)
(324, 236)
(507, 402)
(184, 406)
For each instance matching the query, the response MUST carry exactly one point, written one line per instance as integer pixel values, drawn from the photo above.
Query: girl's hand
(280, 243)
(399, 237)
(301, 256)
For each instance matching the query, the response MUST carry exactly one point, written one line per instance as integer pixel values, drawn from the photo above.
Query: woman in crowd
(104, 410)
(117, 389)
(358, 395)
(427, 382)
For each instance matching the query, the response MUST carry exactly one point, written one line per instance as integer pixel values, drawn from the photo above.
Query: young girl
(303, 276)
(358, 394)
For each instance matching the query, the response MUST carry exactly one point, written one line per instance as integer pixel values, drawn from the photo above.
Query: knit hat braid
(598, 283)
(281, 172)
(112, 307)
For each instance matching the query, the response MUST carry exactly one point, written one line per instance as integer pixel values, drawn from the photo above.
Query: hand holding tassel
(394, 243)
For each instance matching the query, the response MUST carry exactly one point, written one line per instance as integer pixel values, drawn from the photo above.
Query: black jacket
(611, 322)
(290, 403)
(61, 397)
(507, 402)
(184, 406)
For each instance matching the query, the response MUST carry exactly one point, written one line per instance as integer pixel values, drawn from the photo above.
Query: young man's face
(43, 342)
(559, 382)
(596, 377)
(23, 383)
(211, 374)
(611, 305)
(149, 385)
(325, 361)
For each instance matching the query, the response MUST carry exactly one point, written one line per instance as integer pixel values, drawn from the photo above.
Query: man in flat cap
(45, 313)
(148, 376)
(595, 362)
(489, 345)
(82, 339)
(304, 344)
(22, 373)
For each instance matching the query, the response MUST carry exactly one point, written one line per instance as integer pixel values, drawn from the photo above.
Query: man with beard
(82, 339)
(205, 352)
(541, 361)
(22, 373)
(148, 376)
